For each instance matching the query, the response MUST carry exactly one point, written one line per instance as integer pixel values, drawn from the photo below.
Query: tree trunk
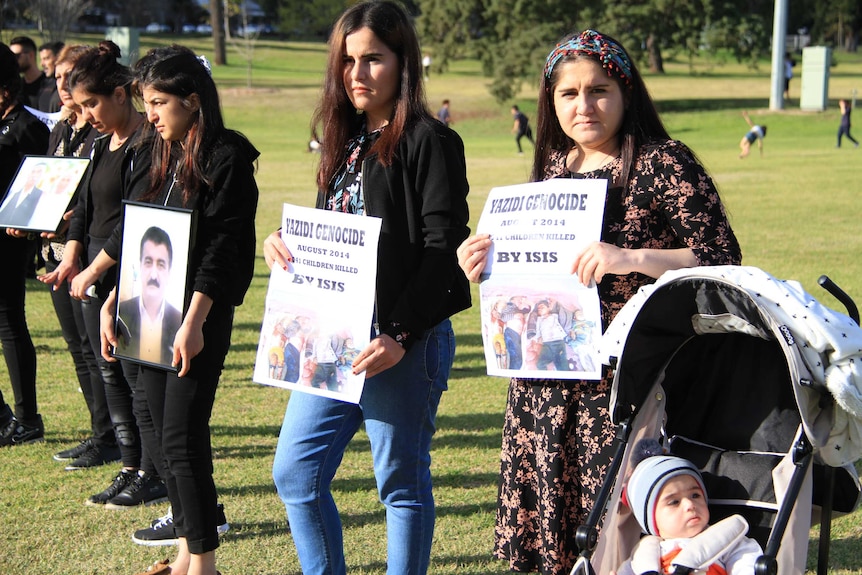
(656, 64)
(217, 22)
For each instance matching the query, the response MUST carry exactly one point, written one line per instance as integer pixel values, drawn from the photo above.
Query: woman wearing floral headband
(595, 120)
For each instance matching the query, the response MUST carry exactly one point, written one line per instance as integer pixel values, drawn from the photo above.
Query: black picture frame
(42, 190)
(144, 251)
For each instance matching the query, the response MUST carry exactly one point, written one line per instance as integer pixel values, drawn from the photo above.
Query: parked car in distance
(156, 28)
(204, 29)
(189, 28)
(253, 29)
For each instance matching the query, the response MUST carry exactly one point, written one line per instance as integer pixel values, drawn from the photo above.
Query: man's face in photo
(63, 185)
(155, 272)
(34, 177)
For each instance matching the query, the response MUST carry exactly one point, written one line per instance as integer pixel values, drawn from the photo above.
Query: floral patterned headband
(591, 43)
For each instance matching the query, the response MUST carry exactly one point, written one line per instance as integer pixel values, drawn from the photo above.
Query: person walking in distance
(521, 128)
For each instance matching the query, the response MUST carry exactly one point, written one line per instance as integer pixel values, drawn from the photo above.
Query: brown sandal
(158, 568)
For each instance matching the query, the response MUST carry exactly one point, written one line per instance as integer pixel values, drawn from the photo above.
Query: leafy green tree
(511, 37)
(835, 22)
(303, 18)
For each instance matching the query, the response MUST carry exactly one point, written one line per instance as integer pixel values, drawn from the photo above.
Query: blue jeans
(398, 407)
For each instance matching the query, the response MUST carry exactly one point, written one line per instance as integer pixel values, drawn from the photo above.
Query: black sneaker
(95, 456)
(74, 452)
(17, 433)
(161, 530)
(120, 482)
(145, 489)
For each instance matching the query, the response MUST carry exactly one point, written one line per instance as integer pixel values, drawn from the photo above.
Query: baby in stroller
(668, 499)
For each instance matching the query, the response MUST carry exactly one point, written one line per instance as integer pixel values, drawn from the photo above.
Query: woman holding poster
(199, 164)
(595, 120)
(382, 155)
(20, 134)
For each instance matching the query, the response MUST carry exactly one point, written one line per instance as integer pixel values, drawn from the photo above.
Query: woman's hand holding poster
(538, 320)
(319, 311)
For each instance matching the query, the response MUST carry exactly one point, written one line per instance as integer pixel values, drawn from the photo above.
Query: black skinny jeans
(118, 389)
(181, 410)
(71, 319)
(18, 349)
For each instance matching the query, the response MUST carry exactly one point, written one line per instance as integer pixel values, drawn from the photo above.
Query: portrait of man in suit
(18, 207)
(148, 323)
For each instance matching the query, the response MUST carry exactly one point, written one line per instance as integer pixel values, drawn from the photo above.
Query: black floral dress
(557, 435)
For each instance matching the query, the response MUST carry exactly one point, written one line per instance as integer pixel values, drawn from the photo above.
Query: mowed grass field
(795, 211)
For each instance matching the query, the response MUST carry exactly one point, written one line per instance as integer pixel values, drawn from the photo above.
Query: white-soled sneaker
(161, 530)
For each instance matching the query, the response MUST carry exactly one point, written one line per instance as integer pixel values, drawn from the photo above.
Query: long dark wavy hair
(98, 71)
(10, 79)
(177, 70)
(337, 116)
(641, 121)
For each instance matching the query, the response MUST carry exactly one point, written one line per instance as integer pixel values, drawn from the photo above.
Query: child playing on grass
(668, 499)
(756, 133)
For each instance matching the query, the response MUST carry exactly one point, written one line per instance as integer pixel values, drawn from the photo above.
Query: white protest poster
(538, 321)
(50, 119)
(319, 311)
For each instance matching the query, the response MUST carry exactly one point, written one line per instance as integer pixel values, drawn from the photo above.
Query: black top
(30, 91)
(105, 193)
(21, 134)
(49, 98)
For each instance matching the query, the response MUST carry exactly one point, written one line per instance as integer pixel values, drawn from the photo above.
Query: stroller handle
(826, 283)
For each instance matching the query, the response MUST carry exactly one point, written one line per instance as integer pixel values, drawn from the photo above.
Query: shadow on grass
(252, 326)
(470, 422)
(467, 564)
(709, 104)
(249, 489)
(256, 530)
(843, 554)
(245, 430)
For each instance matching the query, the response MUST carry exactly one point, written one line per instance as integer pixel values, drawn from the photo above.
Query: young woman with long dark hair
(195, 163)
(382, 155)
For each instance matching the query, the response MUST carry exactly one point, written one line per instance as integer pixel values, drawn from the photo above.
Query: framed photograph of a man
(41, 192)
(151, 289)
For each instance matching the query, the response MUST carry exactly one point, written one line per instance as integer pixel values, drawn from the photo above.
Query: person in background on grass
(521, 128)
(20, 134)
(426, 66)
(844, 126)
(25, 50)
(789, 63)
(756, 133)
(595, 119)
(443, 114)
(382, 148)
(199, 164)
(49, 99)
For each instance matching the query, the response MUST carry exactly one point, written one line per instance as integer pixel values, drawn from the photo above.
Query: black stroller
(757, 384)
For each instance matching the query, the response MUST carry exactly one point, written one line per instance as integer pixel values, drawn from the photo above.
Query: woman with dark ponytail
(195, 163)
(101, 87)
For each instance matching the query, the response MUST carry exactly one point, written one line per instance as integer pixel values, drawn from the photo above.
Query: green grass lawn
(794, 211)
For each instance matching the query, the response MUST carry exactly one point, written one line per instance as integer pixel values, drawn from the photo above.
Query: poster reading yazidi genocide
(319, 310)
(538, 320)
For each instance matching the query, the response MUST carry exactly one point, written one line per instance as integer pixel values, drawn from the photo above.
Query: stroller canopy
(821, 348)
